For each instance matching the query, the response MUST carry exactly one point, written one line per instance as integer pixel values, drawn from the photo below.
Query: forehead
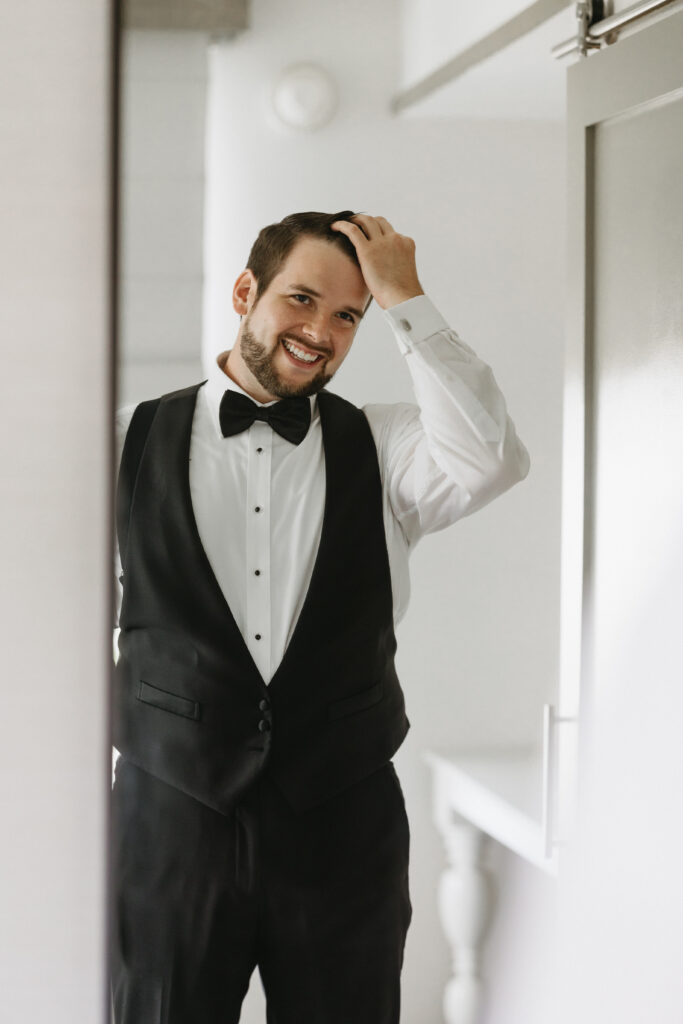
(323, 267)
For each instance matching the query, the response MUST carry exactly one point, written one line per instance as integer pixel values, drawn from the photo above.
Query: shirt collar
(218, 382)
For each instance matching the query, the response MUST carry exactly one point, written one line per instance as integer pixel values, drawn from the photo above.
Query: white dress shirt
(439, 460)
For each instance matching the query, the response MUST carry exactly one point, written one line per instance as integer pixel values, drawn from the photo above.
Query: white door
(621, 876)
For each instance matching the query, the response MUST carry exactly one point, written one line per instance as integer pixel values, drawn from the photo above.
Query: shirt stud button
(257, 636)
(259, 450)
(257, 509)
(406, 325)
(257, 572)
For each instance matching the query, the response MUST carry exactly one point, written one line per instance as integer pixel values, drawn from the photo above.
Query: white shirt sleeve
(457, 448)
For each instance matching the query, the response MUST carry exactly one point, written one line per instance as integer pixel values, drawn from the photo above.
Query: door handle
(550, 721)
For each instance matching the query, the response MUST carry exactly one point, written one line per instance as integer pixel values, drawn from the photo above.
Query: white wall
(485, 204)
(163, 98)
(56, 401)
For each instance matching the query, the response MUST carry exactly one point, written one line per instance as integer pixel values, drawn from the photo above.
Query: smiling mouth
(304, 356)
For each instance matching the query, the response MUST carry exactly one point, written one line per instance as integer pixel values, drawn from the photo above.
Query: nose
(316, 328)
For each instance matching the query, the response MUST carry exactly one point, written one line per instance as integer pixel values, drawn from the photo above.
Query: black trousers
(318, 902)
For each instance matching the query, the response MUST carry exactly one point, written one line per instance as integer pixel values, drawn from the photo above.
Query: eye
(351, 319)
(306, 298)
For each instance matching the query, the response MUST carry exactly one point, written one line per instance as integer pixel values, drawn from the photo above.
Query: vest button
(263, 704)
(264, 725)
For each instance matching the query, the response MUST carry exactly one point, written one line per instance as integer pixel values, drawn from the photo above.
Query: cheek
(270, 333)
(281, 326)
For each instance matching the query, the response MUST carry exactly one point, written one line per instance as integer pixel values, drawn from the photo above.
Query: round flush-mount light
(305, 97)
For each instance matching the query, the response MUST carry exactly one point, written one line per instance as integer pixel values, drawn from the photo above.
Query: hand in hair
(387, 259)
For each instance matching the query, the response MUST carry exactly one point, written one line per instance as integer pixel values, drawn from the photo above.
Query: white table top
(500, 791)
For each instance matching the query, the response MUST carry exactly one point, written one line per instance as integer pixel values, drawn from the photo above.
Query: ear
(244, 292)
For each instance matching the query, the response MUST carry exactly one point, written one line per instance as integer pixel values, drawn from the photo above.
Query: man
(264, 526)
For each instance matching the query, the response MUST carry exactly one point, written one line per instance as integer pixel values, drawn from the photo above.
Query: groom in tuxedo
(264, 525)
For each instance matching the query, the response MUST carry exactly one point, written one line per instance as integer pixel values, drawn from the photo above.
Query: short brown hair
(275, 242)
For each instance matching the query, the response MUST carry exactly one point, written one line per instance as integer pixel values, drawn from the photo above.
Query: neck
(234, 367)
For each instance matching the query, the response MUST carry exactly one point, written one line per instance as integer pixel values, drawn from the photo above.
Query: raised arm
(457, 448)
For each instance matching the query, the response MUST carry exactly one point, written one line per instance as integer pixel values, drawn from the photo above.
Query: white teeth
(299, 353)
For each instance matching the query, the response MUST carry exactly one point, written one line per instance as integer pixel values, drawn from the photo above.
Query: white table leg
(466, 898)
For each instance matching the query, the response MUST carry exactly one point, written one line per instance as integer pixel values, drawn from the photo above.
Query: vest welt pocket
(172, 702)
(357, 702)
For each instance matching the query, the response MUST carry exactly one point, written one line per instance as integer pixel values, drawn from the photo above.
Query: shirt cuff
(414, 321)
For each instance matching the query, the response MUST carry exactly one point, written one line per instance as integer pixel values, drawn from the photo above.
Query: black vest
(190, 706)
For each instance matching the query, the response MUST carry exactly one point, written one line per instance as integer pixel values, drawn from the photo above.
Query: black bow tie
(291, 417)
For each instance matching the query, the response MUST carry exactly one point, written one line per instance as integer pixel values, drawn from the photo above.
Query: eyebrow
(316, 295)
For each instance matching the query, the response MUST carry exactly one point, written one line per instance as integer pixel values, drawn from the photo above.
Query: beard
(261, 362)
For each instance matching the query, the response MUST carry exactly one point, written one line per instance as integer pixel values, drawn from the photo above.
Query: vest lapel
(178, 411)
(347, 540)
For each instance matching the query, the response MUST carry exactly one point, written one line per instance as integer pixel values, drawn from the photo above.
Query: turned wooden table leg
(466, 897)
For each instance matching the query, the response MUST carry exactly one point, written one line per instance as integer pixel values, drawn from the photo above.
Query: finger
(387, 228)
(352, 231)
(370, 225)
